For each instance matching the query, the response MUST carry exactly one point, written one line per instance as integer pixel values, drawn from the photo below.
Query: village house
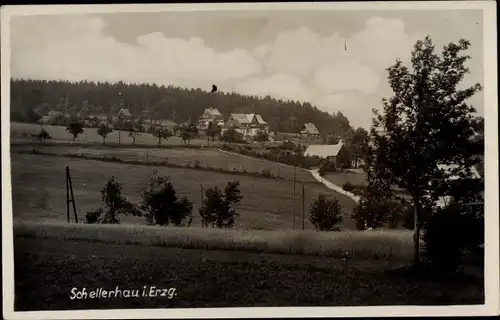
(309, 131)
(210, 115)
(249, 125)
(330, 152)
(124, 114)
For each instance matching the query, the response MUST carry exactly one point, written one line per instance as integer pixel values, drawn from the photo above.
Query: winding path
(314, 173)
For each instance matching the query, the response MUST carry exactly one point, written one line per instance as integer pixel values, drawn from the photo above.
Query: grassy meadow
(47, 269)
(267, 203)
(23, 130)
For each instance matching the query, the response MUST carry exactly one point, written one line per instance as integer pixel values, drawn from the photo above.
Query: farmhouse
(309, 131)
(324, 151)
(210, 115)
(124, 114)
(248, 124)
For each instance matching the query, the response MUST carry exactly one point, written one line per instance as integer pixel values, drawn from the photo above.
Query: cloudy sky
(289, 55)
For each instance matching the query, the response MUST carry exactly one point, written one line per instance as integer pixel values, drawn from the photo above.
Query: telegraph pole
(293, 217)
(303, 205)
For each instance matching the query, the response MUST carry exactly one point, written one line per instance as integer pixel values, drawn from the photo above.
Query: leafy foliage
(161, 133)
(163, 206)
(115, 202)
(356, 145)
(75, 129)
(134, 131)
(425, 123)
(325, 214)
(103, 131)
(188, 133)
(43, 136)
(448, 233)
(212, 131)
(262, 136)
(217, 208)
(231, 136)
(373, 208)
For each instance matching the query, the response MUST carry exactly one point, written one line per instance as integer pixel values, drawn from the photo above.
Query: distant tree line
(31, 98)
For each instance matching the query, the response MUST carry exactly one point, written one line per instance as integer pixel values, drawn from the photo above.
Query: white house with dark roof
(124, 113)
(248, 124)
(324, 151)
(210, 115)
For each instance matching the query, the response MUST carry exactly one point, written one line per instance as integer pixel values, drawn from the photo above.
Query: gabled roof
(246, 118)
(323, 150)
(125, 112)
(259, 119)
(213, 112)
(310, 128)
(243, 118)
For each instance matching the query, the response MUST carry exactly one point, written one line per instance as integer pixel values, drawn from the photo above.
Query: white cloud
(77, 49)
(345, 76)
(298, 65)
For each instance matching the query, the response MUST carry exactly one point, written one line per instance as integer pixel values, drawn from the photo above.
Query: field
(51, 264)
(20, 130)
(267, 203)
(206, 157)
(339, 178)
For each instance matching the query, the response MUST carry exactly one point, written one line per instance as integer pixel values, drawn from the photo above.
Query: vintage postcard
(250, 160)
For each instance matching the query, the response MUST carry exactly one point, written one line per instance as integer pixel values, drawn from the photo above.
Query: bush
(372, 208)
(325, 214)
(93, 216)
(163, 206)
(216, 210)
(115, 202)
(448, 233)
(348, 186)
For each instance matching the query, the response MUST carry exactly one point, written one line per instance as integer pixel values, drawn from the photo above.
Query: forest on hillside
(29, 98)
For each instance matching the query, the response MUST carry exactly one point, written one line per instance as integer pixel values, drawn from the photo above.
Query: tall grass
(382, 244)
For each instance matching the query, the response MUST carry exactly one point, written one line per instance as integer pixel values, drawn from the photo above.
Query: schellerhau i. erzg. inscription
(117, 293)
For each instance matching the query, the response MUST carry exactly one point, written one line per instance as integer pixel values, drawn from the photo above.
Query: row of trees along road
(426, 122)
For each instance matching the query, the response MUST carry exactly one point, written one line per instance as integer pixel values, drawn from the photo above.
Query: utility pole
(69, 188)
(201, 205)
(303, 206)
(293, 217)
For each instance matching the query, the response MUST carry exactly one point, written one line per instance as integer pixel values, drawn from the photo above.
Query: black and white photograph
(210, 160)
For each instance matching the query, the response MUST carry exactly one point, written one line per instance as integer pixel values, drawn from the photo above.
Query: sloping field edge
(383, 244)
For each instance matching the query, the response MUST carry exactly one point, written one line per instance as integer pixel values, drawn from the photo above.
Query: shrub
(325, 214)
(372, 208)
(93, 216)
(115, 202)
(196, 164)
(348, 186)
(163, 206)
(216, 209)
(448, 233)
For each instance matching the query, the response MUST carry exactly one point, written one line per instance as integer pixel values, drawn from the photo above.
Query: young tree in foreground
(216, 209)
(103, 131)
(325, 214)
(116, 203)
(43, 136)
(75, 128)
(212, 132)
(161, 133)
(425, 123)
(162, 204)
